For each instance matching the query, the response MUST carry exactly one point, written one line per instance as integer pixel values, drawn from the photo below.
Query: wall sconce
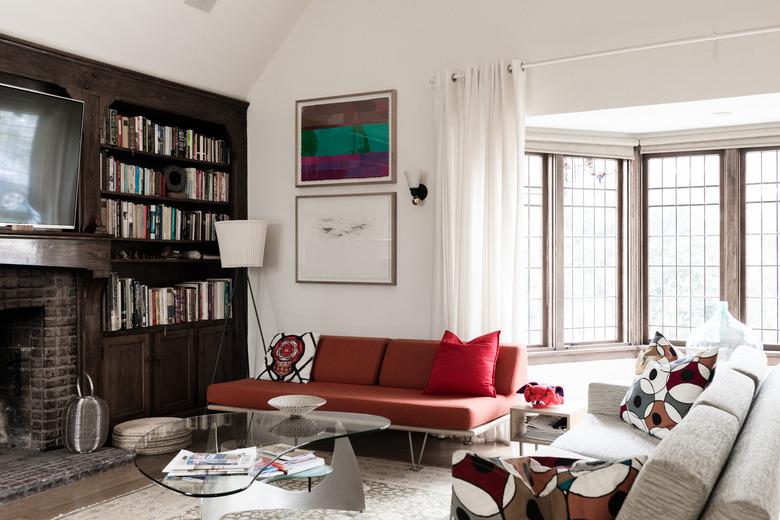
(418, 190)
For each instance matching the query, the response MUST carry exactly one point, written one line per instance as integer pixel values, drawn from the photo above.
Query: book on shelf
(142, 134)
(120, 177)
(125, 219)
(130, 304)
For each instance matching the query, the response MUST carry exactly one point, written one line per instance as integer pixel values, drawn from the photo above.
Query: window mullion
(637, 269)
(555, 272)
(732, 229)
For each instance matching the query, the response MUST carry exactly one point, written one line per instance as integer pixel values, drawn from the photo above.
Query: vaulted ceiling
(225, 50)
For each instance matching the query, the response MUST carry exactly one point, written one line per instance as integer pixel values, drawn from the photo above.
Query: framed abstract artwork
(345, 139)
(348, 239)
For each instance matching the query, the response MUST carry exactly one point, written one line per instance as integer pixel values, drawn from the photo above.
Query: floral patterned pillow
(540, 487)
(662, 396)
(659, 348)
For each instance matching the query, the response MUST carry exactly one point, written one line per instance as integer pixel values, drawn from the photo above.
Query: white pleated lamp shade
(241, 242)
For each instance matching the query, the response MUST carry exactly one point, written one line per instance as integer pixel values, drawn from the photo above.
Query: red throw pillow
(465, 368)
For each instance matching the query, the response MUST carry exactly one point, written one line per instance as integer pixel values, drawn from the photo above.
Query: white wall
(346, 46)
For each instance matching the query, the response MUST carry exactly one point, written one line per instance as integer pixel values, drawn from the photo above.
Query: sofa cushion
(540, 487)
(659, 348)
(662, 396)
(606, 438)
(408, 363)
(749, 361)
(678, 478)
(403, 406)
(465, 368)
(345, 359)
(749, 486)
(730, 391)
(290, 357)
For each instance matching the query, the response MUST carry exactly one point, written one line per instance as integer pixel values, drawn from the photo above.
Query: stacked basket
(152, 435)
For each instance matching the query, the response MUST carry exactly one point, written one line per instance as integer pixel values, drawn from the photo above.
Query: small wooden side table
(570, 412)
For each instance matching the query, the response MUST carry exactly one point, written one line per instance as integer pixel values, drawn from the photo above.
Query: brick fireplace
(38, 353)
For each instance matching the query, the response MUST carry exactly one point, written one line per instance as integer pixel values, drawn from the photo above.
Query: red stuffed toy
(542, 396)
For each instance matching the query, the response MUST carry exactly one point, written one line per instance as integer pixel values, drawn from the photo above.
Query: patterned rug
(392, 492)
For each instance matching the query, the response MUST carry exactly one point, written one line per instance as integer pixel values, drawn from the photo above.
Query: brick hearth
(38, 322)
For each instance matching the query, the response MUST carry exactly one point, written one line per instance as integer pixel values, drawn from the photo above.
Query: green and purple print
(346, 140)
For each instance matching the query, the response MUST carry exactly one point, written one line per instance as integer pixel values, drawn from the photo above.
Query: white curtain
(480, 278)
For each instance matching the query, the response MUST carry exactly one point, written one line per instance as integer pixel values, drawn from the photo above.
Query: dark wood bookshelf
(151, 371)
(172, 201)
(167, 242)
(168, 159)
(163, 261)
(165, 328)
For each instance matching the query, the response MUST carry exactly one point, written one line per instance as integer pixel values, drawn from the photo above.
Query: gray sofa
(721, 462)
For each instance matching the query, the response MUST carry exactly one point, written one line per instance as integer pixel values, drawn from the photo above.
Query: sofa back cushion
(748, 487)
(749, 361)
(676, 481)
(345, 359)
(730, 391)
(408, 364)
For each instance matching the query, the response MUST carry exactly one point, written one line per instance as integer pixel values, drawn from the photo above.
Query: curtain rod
(714, 37)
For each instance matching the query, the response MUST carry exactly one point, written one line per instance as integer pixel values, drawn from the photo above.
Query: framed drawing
(348, 239)
(345, 139)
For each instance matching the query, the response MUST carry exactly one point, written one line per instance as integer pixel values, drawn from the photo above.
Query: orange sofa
(387, 377)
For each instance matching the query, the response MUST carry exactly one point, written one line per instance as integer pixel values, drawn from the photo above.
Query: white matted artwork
(346, 238)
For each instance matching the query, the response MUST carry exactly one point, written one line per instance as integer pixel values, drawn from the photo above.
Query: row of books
(130, 304)
(121, 177)
(125, 219)
(143, 134)
(262, 462)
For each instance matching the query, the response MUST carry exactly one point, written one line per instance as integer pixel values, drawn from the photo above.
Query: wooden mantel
(91, 252)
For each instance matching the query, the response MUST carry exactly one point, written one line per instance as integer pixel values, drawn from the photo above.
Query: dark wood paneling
(117, 360)
(175, 371)
(51, 250)
(126, 377)
(211, 362)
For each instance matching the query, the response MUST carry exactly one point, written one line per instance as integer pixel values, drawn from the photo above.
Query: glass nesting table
(340, 489)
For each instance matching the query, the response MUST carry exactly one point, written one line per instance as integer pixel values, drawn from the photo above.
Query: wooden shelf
(165, 242)
(159, 328)
(154, 199)
(129, 152)
(162, 261)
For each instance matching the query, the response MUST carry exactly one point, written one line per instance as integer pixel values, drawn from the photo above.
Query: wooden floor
(391, 445)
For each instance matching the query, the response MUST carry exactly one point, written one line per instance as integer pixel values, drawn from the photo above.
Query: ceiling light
(204, 5)
(721, 114)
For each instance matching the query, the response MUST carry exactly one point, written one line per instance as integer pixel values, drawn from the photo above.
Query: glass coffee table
(341, 488)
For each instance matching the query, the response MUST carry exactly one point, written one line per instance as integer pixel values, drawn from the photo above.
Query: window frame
(632, 295)
(552, 256)
(644, 180)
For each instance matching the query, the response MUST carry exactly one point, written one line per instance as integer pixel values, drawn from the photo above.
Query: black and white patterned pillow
(290, 358)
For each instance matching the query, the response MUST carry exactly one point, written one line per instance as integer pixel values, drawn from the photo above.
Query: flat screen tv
(40, 148)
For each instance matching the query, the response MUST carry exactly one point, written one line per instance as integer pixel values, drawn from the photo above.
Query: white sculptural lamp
(241, 245)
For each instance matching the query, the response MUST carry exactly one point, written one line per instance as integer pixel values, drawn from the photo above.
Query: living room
(559, 300)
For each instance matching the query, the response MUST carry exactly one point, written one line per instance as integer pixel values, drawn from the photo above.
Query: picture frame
(346, 238)
(346, 140)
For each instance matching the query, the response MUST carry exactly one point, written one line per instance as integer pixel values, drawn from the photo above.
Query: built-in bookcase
(162, 369)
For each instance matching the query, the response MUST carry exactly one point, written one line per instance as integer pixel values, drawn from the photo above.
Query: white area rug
(392, 492)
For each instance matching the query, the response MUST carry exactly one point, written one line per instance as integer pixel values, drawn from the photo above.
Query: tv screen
(40, 147)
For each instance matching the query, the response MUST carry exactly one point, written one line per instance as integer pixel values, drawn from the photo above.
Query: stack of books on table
(292, 461)
(245, 461)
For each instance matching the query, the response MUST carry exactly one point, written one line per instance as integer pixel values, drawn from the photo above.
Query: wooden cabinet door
(175, 371)
(210, 357)
(126, 376)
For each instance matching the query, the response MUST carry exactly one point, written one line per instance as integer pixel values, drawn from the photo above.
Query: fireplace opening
(21, 331)
(38, 354)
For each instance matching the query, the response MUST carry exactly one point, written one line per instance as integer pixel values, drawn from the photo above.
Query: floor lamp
(241, 245)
